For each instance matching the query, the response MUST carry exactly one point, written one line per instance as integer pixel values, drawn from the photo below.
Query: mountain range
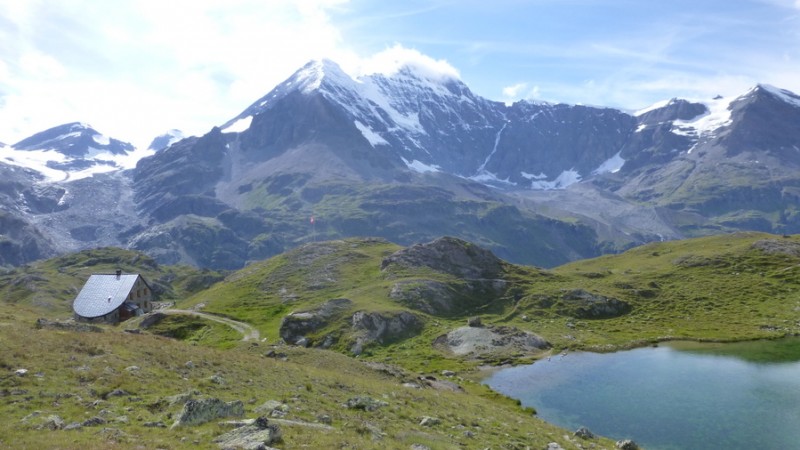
(409, 157)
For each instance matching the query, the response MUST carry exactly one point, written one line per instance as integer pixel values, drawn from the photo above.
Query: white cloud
(513, 91)
(394, 58)
(137, 68)
(520, 91)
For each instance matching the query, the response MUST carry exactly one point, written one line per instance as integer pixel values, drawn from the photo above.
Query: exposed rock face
(449, 255)
(478, 272)
(477, 342)
(382, 328)
(21, 242)
(585, 305)
(196, 412)
(429, 296)
(295, 326)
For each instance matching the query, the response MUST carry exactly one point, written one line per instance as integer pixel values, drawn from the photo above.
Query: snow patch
(565, 179)
(37, 160)
(530, 176)
(239, 126)
(375, 97)
(653, 107)
(420, 167)
(611, 165)
(494, 149)
(718, 116)
(101, 139)
(371, 136)
(486, 177)
(783, 94)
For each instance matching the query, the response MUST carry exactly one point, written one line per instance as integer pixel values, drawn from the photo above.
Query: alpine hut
(113, 298)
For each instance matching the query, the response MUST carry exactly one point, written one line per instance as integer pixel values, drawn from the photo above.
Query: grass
(713, 288)
(71, 374)
(735, 287)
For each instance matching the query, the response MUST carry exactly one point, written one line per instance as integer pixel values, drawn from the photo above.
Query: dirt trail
(249, 333)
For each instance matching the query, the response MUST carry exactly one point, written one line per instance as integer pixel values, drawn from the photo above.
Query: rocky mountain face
(413, 156)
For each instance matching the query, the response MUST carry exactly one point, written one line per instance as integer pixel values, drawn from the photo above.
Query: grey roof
(102, 294)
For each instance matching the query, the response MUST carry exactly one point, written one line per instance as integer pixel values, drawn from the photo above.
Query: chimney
(119, 273)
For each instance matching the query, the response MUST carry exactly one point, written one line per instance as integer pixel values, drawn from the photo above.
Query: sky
(134, 69)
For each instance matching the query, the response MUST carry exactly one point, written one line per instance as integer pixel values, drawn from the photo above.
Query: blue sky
(135, 68)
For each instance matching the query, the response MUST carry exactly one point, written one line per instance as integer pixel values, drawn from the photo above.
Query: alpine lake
(677, 395)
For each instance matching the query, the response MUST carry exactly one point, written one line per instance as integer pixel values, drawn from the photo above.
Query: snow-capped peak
(312, 75)
(782, 94)
(71, 151)
(655, 106)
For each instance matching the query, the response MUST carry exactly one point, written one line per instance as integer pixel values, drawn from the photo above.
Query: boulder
(584, 433)
(439, 385)
(626, 444)
(53, 422)
(196, 412)
(429, 421)
(94, 421)
(479, 342)
(255, 436)
(364, 403)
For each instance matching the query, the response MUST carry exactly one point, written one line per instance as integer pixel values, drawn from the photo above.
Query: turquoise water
(676, 396)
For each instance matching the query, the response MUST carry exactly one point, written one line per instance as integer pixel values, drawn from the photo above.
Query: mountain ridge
(410, 156)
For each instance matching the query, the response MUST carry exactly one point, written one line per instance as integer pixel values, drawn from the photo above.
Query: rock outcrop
(296, 326)
(449, 255)
(480, 341)
(475, 276)
(773, 246)
(382, 328)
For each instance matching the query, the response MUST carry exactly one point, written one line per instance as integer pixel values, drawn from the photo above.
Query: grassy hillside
(732, 287)
(52, 284)
(349, 296)
(125, 385)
